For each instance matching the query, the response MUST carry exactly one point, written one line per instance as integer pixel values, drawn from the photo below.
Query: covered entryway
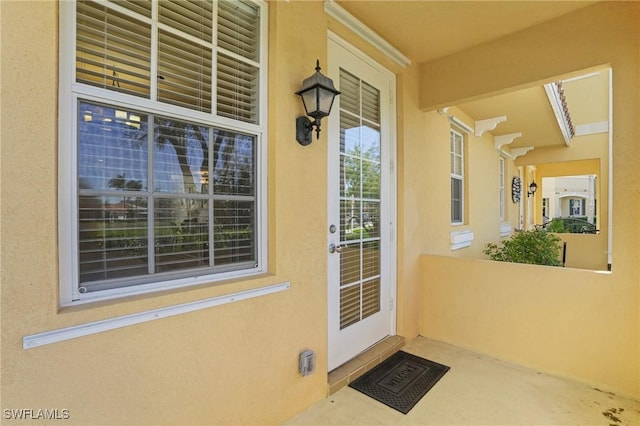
(361, 199)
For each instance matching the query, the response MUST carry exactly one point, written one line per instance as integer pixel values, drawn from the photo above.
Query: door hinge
(391, 303)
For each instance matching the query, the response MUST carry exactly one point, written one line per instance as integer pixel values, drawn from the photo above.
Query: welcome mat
(401, 380)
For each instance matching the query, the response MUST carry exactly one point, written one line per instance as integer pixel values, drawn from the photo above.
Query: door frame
(333, 123)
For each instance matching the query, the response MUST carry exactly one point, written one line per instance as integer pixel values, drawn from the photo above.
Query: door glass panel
(370, 219)
(371, 259)
(349, 306)
(350, 264)
(360, 197)
(370, 297)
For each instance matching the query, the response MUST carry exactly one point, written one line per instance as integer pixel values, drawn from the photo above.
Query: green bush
(556, 225)
(537, 247)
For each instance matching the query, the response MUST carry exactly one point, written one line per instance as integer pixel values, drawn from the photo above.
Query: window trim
(68, 97)
(501, 188)
(461, 177)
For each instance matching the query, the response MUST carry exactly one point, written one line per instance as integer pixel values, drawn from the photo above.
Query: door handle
(335, 248)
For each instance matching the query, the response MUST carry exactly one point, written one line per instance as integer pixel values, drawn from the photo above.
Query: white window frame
(501, 187)
(460, 177)
(580, 203)
(69, 94)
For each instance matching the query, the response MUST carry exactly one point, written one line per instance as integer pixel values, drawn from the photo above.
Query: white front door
(361, 200)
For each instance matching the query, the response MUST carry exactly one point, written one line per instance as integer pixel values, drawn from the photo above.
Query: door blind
(360, 176)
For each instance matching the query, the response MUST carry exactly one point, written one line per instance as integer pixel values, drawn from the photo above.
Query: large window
(162, 144)
(457, 177)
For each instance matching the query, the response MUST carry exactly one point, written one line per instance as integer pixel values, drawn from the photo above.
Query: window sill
(461, 239)
(505, 230)
(67, 333)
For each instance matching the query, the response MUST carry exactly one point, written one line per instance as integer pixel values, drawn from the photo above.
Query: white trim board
(62, 334)
(461, 239)
(358, 27)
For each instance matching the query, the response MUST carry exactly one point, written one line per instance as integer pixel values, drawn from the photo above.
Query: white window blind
(113, 50)
(238, 45)
(184, 72)
(160, 197)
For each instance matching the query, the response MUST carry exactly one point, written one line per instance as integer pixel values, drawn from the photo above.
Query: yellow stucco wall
(428, 164)
(232, 364)
(570, 322)
(226, 365)
(238, 363)
(581, 324)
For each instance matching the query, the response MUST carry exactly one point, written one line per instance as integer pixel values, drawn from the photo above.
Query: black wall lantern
(533, 187)
(317, 93)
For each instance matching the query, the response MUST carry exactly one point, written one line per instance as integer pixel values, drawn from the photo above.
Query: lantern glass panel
(326, 99)
(309, 100)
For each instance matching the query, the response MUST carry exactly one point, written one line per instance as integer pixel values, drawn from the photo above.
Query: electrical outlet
(306, 362)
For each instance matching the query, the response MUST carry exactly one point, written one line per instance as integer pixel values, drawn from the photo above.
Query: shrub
(537, 247)
(556, 225)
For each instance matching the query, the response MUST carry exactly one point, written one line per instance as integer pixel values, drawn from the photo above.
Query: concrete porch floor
(480, 390)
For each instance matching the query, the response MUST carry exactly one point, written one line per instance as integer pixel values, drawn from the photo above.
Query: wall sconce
(317, 93)
(533, 187)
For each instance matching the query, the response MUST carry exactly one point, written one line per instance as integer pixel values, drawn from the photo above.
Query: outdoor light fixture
(317, 93)
(533, 187)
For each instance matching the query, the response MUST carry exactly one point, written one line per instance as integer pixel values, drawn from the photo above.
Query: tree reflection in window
(195, 224)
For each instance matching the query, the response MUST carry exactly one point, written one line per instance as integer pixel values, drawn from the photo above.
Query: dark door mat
(401, 380)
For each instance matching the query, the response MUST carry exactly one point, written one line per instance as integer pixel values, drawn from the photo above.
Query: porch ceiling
(529, 111)
(425, 30)
(435, 29)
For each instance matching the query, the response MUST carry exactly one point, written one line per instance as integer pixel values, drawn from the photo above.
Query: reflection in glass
(349, 219)
(360, 198)
(350, 178)
(112, 237)
(234, 230)
(203, 202)
(233, 163)
(181, 157)
(370, 219)
(349, 139)
(112, 148)
(181, 233)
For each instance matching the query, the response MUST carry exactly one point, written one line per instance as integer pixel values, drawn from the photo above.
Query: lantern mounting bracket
(304, 127)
